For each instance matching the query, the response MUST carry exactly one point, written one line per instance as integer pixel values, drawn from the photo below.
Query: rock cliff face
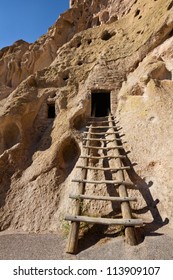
(124, 47)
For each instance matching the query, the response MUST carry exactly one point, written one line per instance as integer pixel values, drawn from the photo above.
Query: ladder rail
(125, 206)
(74, 228)
(127, 220)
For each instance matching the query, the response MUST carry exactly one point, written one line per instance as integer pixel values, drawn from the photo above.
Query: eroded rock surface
(124, 47)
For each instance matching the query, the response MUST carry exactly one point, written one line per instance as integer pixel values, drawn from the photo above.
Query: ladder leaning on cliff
(107, 126)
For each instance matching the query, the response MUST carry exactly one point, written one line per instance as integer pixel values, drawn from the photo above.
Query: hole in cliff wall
(78, 122)
(78, 44)
(136, 90)
(51, 111)
(80, 62)
(170, 6)
(104, 17)
(70, 152)
(53, 95)
(95, 21)
(137, 12)
(106, 35)
(9, 84)
(170, 34)
(65, 77)
(11, 135)
(100, 103)
(1, 144)
(89, 41)
(161, 73)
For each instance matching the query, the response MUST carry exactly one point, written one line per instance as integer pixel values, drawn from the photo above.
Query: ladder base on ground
(99, 131)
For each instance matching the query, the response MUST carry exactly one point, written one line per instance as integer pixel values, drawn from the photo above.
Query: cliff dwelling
(88, 112)
(100, 103)
(51, 110)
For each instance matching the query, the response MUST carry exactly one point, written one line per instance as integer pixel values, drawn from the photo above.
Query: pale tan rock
(124, 47)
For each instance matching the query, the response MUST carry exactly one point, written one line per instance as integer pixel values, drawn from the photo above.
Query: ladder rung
(102, 157)
(103, 148)
(97, 121)
(99, 118)
(102, 168)
(100, 121)
(104, 182)
(95, 118)
(105, 221)
(100, 139)
(104, 127)
(109, 198)
(102, 133)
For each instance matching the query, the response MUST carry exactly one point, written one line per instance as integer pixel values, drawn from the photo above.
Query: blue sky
(28, 19)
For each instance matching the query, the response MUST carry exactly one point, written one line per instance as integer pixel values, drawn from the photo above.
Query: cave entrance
(100, 103)
(51, 111)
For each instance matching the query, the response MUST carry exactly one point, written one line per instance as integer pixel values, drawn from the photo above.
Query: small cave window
(78, 44)
(137, 12)
(51, 111)
(170, 34)
(96, 21)
(65, 77)
(69, 153)
(11, 135)
(170, 6)
(80, 62)
(106, 35)
(100, 103)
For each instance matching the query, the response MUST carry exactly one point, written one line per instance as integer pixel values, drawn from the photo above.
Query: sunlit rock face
(120, 47)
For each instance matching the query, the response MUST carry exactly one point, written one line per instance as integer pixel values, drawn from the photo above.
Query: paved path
(52, 246)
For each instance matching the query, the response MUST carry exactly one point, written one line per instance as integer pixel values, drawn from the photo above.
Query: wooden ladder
(105, 131)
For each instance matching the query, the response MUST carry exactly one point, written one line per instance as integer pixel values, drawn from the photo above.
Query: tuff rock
(124, 47)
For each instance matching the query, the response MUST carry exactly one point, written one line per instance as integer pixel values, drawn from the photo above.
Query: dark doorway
(100, 104)
(51, 111)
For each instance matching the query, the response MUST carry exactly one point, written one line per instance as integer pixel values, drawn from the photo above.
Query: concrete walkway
(52, 247)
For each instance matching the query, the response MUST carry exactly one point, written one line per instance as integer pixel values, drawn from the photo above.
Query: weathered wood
(104, 182)
(100, 121)
(102, 157)
(105, 221)
(74, 228)
(123, 198)
(125, 206)
(108, 127)
(101, 133)
(107, 198)
(97, 121)
(103, 168)
(103, 148)
(95, 118)
(100, 139)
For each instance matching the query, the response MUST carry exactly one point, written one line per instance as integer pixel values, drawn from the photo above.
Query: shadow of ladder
(126, 220)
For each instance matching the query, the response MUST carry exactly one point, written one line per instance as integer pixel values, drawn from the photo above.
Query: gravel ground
(157, 245)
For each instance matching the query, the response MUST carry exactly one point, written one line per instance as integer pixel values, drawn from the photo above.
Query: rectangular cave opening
(100, 103)
(51, 111)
